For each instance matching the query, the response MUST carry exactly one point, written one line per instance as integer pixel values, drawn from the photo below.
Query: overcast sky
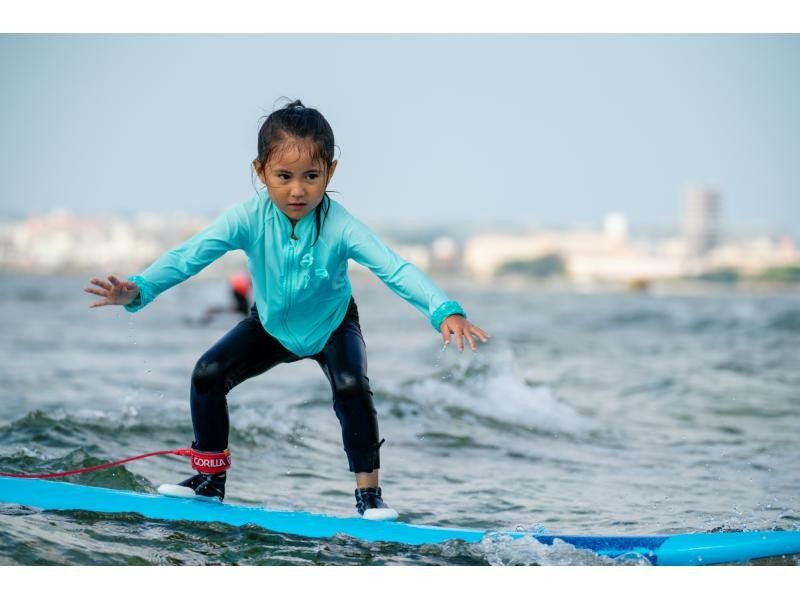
(551, 130)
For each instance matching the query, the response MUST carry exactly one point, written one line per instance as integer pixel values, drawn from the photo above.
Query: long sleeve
(228, 232)
(403, 278)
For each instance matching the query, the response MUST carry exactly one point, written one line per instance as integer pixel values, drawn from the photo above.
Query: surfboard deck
(681, 549)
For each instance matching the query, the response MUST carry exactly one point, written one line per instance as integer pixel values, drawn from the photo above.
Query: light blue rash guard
(301, 287)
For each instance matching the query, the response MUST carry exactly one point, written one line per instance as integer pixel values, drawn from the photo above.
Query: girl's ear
(259, 172)
(332, 169)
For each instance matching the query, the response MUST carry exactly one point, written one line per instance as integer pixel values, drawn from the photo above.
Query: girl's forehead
(295, 153)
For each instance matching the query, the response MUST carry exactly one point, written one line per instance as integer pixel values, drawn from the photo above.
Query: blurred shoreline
(601, 259)
(512, 284)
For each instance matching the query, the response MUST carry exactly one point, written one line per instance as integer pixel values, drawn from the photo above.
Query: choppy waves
(590, 414)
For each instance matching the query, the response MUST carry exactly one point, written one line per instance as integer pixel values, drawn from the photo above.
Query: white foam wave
(490, 385)
(501, 549)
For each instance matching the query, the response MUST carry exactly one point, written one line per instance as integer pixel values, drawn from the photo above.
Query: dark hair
(295, 120)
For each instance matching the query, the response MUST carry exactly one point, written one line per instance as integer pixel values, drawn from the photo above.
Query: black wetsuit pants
(248, 350)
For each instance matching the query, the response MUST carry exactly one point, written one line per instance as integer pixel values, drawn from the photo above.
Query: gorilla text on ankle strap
(215, 462)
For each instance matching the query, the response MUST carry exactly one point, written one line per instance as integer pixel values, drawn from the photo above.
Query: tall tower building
(701, 220)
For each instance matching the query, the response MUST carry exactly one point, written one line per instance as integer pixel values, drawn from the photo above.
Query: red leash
(203, 462)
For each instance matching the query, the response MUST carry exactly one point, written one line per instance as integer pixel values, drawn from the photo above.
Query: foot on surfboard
(370, 505)
(202, 486)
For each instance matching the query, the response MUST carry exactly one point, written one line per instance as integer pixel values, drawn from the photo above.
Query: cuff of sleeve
(448, 308)
(144, 297)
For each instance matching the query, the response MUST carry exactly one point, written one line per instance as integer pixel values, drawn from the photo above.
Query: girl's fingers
(480, 333)
(470, 340)
(467, 333)
(99, 304)
(445, 334)
(101, 283)
(460, 340)
(96, 292)
(114, 280)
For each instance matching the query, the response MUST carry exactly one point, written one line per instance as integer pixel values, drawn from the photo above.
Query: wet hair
(294, 120)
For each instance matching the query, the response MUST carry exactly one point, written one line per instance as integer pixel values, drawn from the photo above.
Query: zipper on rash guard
(288, 288)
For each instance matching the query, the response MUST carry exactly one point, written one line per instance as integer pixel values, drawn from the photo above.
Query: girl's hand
(114, 292)
(461, 327)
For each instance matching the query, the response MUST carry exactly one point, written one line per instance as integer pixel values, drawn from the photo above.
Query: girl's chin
(296, 214)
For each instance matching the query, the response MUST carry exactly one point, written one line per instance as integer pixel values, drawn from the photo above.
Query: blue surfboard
(681, 549)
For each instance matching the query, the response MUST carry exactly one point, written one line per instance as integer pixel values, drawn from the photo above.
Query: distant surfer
(298, 242)
(240, 286)
(240, 290)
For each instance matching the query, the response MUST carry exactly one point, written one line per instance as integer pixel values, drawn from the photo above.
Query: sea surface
(586, 413)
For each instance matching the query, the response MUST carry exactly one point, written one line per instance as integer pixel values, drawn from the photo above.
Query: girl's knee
(353, 388)
(207, 375)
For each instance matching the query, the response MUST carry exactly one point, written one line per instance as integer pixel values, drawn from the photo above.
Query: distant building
(445, 254)
(615, 226)
(585, 255)
(701, 220)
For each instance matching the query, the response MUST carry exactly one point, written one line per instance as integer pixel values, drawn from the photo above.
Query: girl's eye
(283, 176)
(312, 177)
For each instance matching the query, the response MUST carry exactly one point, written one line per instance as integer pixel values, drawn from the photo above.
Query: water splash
(489, 386)
(500, 549)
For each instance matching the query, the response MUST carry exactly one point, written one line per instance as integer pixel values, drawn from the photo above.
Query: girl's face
(295, 182)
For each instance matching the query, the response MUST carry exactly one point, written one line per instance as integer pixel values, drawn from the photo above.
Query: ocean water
(586, 413)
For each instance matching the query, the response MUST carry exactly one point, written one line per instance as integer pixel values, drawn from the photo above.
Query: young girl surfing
(298, 242)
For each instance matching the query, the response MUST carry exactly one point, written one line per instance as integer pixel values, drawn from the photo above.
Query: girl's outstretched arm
(113, 292)
(463, 329)
(410, 283)
(230, 231)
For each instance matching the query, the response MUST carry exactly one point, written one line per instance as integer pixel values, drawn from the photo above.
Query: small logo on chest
(306, 261)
